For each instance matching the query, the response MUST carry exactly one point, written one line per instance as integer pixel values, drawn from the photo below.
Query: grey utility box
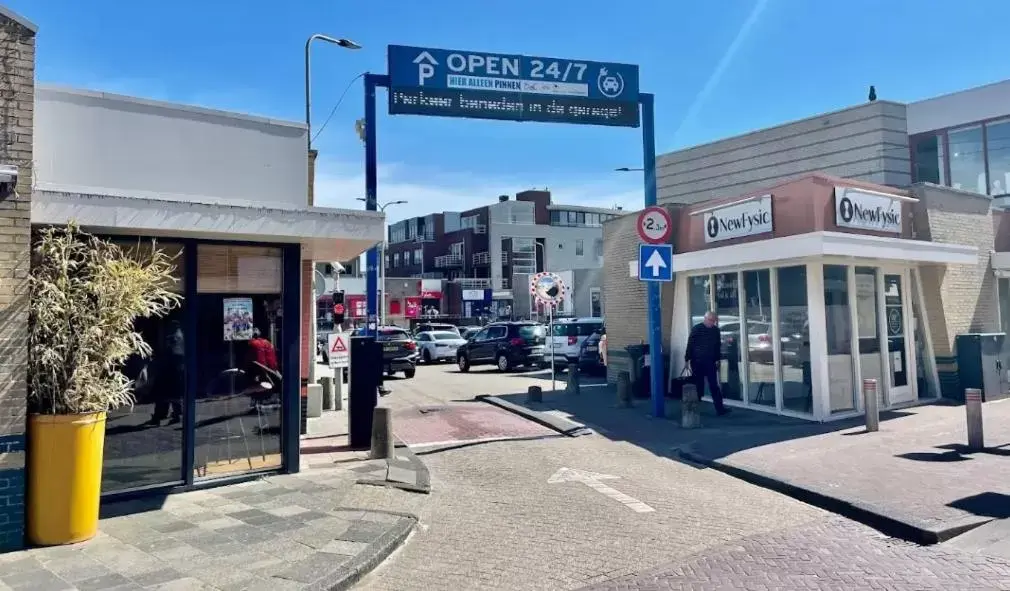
(983, 362)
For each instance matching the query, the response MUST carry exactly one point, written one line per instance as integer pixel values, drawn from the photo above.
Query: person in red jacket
(262, 351)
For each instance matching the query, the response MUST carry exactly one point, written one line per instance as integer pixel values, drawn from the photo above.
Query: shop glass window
(143, 442)
(928, 158)
(967, 162)
(839, 338)
(998, 149)
(700, 297)
(727, 306)
(238, 400)
(867, 326)
(757, 334)
(794, 339)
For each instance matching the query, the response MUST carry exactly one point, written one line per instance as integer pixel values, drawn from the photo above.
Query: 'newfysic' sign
(863, 210)
(748, 218)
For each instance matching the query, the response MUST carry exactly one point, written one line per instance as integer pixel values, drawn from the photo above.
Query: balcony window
(928, 160)
(998, 148)
(967, 162)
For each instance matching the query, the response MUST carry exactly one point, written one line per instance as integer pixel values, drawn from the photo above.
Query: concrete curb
(419, 480)
(561, 425)
(882, 520)
(364, 563)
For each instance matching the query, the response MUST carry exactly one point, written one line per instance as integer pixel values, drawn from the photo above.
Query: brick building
(228, 195)
(17, 86)
(943, 163)
(494, 248)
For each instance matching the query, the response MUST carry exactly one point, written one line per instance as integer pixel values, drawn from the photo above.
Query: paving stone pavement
(494, 522)
(276, 533)
(830, 554)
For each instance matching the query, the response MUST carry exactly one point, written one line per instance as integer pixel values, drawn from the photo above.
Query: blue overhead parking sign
(481, 85)
(655, 262)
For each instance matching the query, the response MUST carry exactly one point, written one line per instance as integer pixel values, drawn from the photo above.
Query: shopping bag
(677, 384)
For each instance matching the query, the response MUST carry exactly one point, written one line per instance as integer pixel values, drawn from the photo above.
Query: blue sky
(716, 68)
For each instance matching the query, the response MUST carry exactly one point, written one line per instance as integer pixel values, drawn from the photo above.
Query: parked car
(565, 342)
(759, 340)
(438, 345)
(435, 326)
(399, 351)
(506, 345)
(591, 356)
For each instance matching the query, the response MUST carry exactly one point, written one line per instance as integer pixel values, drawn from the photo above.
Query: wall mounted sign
(747, 218)
(863, 210)
(473, 294)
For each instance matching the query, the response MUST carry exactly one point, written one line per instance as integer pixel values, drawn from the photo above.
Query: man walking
(704, 348)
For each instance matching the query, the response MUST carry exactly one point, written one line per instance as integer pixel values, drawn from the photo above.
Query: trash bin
(637, 369)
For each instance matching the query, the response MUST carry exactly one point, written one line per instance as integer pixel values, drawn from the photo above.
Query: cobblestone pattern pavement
(493, 522)
(922, 450)
(275, 534)
(830, 554)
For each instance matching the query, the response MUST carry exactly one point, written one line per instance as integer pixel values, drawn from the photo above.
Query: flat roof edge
(56, 88)
(19, 19)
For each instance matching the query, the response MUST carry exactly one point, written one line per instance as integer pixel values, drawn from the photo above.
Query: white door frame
(896, 395)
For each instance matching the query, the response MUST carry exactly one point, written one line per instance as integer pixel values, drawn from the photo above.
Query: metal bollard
(534, 394)
(870, 405)
(690, 407)
(327, 383)
(572, 387)
(382, 434)
(624, 389)
(973, 410)
(338, 391)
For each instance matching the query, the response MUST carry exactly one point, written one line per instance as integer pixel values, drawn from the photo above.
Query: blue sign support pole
(371, 200)
(655, 312)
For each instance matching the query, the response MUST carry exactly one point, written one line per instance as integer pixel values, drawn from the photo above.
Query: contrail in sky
(724, 62)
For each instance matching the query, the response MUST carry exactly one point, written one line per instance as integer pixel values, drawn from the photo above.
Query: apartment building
(941, 165)
(485, 253)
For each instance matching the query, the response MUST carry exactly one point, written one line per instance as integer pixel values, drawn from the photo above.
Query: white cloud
(340, 184)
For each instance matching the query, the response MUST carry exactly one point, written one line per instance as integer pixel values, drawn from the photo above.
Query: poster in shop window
(238, 319)
(866, 305)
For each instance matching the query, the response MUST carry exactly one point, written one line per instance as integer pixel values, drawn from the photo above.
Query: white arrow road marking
(655, 263)
(592, 480)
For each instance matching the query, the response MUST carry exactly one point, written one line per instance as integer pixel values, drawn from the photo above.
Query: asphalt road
(550, 512)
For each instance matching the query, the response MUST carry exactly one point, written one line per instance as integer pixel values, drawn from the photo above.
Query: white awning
(325, 234)
(826, 244)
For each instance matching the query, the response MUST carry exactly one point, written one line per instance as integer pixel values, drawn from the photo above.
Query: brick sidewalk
(276, 533)
(915, 470)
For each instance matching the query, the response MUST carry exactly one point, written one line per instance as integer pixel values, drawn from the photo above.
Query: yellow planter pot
(64, 477)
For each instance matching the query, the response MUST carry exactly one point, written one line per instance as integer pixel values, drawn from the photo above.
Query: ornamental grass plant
(86, 293)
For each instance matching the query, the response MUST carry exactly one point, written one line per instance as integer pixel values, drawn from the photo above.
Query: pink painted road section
(461, 423)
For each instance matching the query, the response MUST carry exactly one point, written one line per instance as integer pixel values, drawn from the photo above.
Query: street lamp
(382, 256)
(346, 44)
(627, 169)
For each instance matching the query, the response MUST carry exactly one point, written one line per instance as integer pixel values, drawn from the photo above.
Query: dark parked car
(505, 345)
(399, 351)
(590, 358)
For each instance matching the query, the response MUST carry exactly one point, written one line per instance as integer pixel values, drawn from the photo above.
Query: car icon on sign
(610, 84)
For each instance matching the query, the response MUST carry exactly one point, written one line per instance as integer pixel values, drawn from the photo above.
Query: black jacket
(704, 346)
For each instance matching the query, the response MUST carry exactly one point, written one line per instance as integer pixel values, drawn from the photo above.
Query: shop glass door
(899, 361)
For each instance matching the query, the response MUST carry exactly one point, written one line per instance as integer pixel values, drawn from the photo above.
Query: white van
(565, 341)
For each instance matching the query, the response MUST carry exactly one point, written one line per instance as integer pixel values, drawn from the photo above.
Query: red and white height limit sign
(655, 225)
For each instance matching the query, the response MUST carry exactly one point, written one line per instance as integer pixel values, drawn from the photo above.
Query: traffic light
(338, 307)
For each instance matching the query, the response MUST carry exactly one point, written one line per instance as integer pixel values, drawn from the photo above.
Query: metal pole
(550, 332)
(308, 94)
(654, 309)
(973, 411)
(371, 203)
(870, 405)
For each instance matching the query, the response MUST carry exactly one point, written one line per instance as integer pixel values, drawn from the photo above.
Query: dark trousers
(702, 372)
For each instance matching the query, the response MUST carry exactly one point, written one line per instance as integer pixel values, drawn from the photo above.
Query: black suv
(504, 344)
(399, 351)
